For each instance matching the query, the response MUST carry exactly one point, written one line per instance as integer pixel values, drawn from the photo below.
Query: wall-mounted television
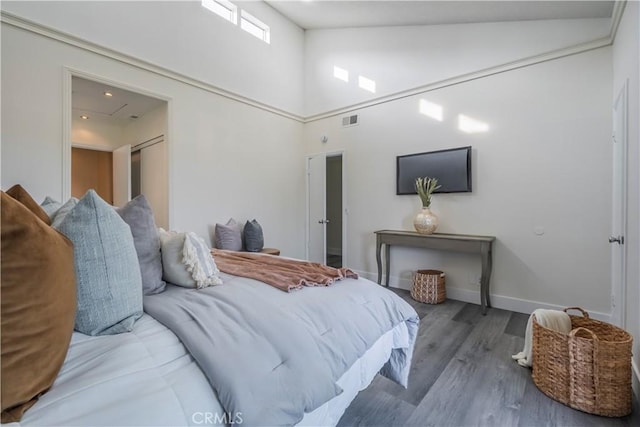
(452, 167)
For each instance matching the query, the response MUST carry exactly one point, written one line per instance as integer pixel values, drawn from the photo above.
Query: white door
(121, 175)
(316, 208)
(619, 209)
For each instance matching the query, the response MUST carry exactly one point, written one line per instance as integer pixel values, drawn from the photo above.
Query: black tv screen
(451, 167)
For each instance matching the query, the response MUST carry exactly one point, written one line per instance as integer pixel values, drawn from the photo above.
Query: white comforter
(147, 378)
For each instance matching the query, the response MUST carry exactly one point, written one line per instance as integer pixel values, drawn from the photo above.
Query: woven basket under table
(429, 286)
(588, 369)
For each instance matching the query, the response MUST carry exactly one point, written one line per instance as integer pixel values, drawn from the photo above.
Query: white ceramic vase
(426, 221)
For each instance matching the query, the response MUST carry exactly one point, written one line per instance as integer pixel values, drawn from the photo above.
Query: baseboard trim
(498, 301)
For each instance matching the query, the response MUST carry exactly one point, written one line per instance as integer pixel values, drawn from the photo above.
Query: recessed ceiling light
(108, 94)
(83, 117)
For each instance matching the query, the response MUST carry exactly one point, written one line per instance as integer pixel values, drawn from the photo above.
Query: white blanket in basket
(551, 319)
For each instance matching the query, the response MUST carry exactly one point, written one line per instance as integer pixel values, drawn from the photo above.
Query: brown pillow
(21, 195)
(38, 306)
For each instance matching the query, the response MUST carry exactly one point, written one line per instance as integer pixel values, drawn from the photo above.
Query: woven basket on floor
(429, 286)
(589, 369)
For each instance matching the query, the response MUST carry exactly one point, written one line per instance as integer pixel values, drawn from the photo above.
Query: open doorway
(326, 213)
(334, 210)
(118, 144)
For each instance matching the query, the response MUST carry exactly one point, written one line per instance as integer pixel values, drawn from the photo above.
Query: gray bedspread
(272, 356)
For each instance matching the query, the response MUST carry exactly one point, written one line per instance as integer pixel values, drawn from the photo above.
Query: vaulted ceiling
(89, 99)
(318, 14)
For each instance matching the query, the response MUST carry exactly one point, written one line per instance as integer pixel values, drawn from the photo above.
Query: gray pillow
(106, 264)
(229, 236)
(253, 237)
(139, 216)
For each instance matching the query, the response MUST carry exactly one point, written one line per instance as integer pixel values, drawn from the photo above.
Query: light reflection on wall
(470, 125)
(431, 109)
(363, 82)
(367, 84)
(340, 73)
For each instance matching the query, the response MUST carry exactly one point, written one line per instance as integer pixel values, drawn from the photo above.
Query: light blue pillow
(61, 212)
(50, 206)
(107, 269)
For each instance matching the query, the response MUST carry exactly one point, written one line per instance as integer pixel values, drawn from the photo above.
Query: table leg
(489, 269)
(387, 266)
(379, 260)
(485, 278)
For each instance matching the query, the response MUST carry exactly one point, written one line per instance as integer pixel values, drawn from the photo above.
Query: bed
(93, 336)
(148, 378)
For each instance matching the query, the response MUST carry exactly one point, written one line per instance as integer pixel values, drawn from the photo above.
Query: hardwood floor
(463, 375)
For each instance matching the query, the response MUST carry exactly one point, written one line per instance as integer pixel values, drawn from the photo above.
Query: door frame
(345, 208)
(619, 287)
(67, 114)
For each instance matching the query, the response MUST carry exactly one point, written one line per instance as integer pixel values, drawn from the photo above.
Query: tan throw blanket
(282, 273)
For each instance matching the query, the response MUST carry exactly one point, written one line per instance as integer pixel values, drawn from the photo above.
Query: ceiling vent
(350, 120)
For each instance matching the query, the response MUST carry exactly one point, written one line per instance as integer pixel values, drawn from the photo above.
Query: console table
(440, 241)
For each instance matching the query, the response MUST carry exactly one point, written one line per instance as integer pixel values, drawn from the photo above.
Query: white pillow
(187, 260)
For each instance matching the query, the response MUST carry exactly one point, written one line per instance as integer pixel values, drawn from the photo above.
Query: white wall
(184, 37)
(626, 51)
(401, 58)
(225, 158)
(96, 133)
(154, 179)
(151, 125)
(229, 159)
(545, 162)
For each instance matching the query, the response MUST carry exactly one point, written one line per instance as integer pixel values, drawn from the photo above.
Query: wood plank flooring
(463, 375)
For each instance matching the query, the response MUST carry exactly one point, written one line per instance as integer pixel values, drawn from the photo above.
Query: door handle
(324, 221)
(619, 239)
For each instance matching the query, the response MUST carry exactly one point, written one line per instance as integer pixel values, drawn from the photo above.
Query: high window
(254, 26)
(223, 8)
